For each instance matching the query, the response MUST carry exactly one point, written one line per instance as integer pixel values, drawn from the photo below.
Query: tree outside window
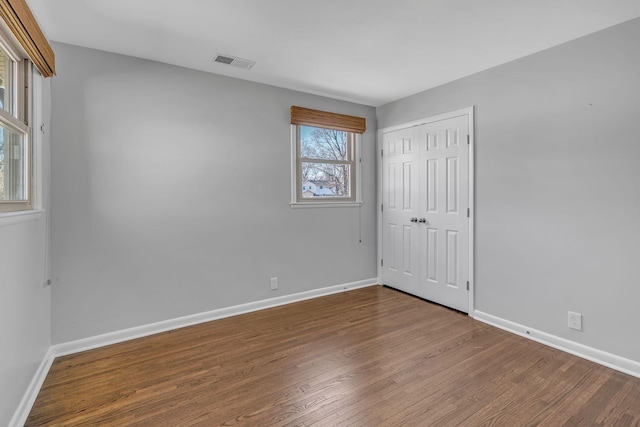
(326, 163)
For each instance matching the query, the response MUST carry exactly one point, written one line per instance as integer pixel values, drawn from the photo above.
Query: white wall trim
(90, 343)
(609, 360)
(12, 218)
(303, 205)
(443, 116)
(379, 199)
(64, 349)
(29, 397)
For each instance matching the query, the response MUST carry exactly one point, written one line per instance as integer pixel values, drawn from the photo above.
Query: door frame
(469, 112)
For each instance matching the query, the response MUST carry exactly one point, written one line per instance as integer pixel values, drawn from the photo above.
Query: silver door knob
(414, 220)
(422, 220)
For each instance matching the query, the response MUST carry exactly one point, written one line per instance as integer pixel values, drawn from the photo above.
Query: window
(15, 141)
(325, 158)
(23, 46)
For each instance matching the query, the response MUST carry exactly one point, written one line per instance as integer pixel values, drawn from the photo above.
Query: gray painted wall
(171, 192)
(557, 185)
(25, 316)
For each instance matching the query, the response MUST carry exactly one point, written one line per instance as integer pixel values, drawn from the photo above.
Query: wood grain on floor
(369, 357)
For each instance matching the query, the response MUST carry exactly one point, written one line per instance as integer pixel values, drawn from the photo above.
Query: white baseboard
(194, 319)
(618, 363)
(609, 360)
(29, 397)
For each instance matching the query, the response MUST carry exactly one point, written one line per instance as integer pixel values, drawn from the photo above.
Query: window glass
(6, 82)
(15, 148)
(13, 165)
(320, 180)
(325, 165)
(327, 144)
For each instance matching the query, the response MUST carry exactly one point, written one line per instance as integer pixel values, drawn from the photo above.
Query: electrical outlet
(575, 321)
(274, 283)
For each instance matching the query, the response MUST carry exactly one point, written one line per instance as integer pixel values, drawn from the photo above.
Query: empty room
(327, 213)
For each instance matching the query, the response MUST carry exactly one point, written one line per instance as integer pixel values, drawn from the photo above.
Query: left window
(15, 135)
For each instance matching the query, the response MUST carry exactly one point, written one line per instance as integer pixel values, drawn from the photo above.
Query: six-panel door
(401, 205)
(428, 182)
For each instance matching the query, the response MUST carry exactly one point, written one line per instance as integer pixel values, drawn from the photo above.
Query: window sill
(12, 218)
(302, 205)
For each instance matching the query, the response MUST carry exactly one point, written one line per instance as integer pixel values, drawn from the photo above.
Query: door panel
(446, 241)
(401, 203)
(427, 166)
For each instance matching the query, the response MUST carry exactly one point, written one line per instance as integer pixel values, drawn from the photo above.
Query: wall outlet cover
(575, 321)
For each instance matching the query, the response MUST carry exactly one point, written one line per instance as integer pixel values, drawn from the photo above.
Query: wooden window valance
(324, 119)
(18, 17)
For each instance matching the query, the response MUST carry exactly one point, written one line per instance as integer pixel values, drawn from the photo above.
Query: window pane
(324, 144)
(325, 180)
(6, 82)
(13, 160)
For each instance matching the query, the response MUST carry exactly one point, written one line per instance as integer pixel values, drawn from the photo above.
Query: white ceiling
(367, 51)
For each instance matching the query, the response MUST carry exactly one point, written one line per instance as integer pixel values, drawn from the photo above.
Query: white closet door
(401, 204)
(428, 181)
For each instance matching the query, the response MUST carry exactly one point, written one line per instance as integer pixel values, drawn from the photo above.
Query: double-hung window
(325, 158)
(22, 46)
(15, 136)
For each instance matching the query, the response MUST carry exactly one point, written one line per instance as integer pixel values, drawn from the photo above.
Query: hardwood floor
(369, 357)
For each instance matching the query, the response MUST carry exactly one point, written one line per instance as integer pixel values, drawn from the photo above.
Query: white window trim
(329, 203)
(33, 115)
(18, 217)
(37, 176)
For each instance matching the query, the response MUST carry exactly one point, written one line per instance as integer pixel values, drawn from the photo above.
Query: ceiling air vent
(234, 61)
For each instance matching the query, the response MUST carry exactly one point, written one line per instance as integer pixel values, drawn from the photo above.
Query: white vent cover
(234, 61)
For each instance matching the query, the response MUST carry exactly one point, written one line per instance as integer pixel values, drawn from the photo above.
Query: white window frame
(19, 121)
(355, 177)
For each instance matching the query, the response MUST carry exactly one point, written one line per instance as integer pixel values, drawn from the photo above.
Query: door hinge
(381, 208)
(467, 285)
(381, 262)
(468, 140)
(468, 213)
(381, 152)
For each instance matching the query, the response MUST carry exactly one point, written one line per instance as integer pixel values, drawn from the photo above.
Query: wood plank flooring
(369, 357)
